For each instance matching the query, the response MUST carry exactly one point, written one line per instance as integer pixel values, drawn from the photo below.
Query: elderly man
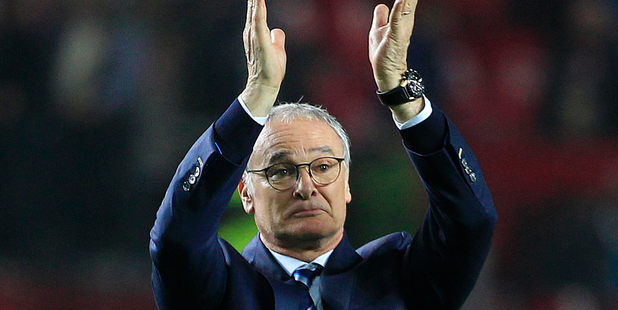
(290, 163)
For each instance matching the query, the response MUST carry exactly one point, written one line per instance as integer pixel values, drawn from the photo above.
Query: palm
(264, 48)
(389, 39)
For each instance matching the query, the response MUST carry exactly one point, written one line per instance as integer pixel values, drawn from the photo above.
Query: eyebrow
(279, 156)
(276, 157)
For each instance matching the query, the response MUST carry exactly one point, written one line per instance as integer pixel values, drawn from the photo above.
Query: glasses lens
(281, 176)
(325, 170)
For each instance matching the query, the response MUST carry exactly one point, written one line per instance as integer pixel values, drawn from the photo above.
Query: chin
(307, 232)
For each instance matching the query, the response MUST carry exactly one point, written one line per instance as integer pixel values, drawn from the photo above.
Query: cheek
(340, 210)
(263, 217)
(267, 207)
(338, 198)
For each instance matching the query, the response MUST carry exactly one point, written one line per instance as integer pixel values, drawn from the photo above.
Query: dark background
(99, 100)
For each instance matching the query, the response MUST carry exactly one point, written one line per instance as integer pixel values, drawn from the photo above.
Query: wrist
(386, 82)
(387, 77)
(259, 99)
(405, 112)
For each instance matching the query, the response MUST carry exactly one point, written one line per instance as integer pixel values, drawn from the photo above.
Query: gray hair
(294, 110)
(288, 111)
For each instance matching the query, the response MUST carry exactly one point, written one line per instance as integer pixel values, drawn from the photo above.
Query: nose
(305, 188)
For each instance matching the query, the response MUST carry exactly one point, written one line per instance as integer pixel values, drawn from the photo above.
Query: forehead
(296, 139)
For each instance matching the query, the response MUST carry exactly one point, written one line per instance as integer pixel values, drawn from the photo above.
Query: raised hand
(389, 39)
(266, 59)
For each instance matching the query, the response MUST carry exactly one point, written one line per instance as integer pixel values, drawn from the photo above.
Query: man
(292, 174)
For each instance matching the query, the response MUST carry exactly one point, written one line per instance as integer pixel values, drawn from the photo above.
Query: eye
(280, 171)
(323, 165)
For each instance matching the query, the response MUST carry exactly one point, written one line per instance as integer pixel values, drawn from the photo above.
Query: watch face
(416, 89)
(415, 84)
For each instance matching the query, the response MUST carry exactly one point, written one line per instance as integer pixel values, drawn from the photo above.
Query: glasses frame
(297, 167)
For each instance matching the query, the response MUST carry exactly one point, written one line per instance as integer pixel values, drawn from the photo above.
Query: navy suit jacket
(436, 269)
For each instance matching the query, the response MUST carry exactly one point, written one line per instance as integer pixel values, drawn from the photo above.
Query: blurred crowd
(99, 100)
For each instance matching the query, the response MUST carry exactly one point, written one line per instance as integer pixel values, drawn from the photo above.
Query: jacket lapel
(260, 257)
(287, 291)
(336, 284)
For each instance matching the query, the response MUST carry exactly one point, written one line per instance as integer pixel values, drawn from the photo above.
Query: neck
(306, 250)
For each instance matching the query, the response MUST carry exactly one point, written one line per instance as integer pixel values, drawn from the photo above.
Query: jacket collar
(344, 257)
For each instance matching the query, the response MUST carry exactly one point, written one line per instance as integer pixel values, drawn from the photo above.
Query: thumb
(277, 38)
(380, 16)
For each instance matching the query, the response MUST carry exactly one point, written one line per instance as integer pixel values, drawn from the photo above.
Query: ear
(348, 194)
(245, 197)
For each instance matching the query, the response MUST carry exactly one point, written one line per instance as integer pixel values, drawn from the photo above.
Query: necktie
(305, 275)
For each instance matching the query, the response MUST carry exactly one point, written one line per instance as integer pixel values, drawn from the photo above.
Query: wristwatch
(410, 87)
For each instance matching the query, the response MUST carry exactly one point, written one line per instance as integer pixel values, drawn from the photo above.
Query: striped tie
(305, 275)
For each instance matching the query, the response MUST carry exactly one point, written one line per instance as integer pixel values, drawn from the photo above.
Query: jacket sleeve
(445, 257)
(189, 268)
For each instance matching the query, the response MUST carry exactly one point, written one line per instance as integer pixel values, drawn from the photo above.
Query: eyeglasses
(283, 176)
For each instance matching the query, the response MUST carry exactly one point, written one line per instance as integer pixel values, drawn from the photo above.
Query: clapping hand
(389, 39)
(266, 59)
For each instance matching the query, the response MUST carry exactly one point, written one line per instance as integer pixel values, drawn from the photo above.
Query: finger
(249, 22)
(256, 32)
(409, 8)
(402, 17)
(396, 12)
(250, 4)
(260, 19)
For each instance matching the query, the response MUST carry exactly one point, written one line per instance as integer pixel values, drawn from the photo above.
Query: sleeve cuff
(428, 136)
(259, 120)
(423, 115)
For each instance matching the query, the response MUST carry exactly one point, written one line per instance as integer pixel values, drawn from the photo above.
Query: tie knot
(306, 273)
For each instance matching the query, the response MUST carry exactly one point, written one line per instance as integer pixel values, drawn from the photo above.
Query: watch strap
(396, 96)
(410, 88)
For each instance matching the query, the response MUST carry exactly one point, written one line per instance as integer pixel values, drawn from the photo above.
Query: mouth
(306, 212)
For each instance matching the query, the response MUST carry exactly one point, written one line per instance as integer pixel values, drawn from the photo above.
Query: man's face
(308, 211)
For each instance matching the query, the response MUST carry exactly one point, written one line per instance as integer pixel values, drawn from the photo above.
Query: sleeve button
(192, 179)
(472, 177)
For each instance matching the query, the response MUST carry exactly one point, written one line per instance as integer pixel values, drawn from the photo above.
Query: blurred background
(99, 101)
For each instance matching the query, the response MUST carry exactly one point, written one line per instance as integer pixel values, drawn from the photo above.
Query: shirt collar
(290, 263)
